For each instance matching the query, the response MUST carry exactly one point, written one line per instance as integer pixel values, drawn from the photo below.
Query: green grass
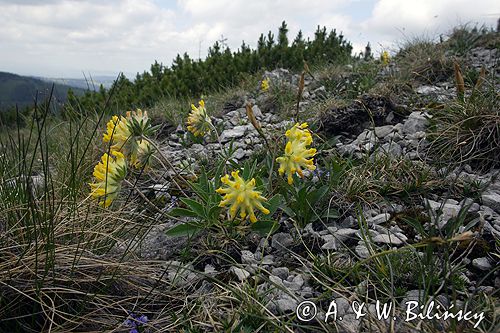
(468, 132)
(57, 271)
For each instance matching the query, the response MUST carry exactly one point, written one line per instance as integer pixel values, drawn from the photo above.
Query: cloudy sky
(62, 38)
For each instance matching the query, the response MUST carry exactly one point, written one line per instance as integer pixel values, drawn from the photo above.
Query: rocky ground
(302, 263)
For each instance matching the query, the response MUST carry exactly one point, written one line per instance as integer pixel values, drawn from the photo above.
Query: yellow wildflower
(109, 174)
(264, 85)
(198, 121)
(384, 57)
(241, 196)
(299, 132)
(117, 133)
(141, 153)
(297, 155)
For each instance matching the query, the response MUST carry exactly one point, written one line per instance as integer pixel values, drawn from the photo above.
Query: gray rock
(416, 136)
(449, 210)
(492, 200)
(295, 284)
(286, 304)
(362, 251)
(392, 149)
(343, 306)
(332, 230)
(247, 257)
(382, 131)
(331, 244)
(473, 207)
(180, 275)
(268, 260)
(416, 122)
(349, 222)
(393, 239)
(378, 219)
(482, 264)
(485, 289)
(428, 90)
(308, 230)
(348, 149)
(349, 323)
(209, 269)
(370, 212)
(233, 133)
(239, 154)
(256, 111)
(366, 140)
(394, 137)
(281, 240)
(345, 233)
(240, 273)
(281, 272)
(389, 117)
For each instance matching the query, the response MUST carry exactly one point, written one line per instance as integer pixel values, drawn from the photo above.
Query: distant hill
(91, 83)
(22, 90)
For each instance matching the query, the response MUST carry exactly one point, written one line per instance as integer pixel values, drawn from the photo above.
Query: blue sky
(63, 38)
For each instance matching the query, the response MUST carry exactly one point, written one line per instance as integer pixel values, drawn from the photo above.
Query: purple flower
(135, 321)
(130, 323)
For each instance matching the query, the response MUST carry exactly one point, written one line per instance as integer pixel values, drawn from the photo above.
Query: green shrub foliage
(221, 68)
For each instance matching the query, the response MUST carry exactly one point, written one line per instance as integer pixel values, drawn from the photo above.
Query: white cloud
(64, 37)
(396, 20)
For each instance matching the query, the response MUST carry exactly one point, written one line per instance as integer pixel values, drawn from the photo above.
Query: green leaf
(218, 174)
(274, 203)
(184, 229)
(317, 194)
(214, 212)
(200, 191)
(195, 206)
(302, 195)
(330, 214)
(288, 211)
(182, 212)
(203, 181)
(265, 226)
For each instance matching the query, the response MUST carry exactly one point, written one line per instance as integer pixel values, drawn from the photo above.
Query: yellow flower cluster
(117, 133)
(240, 195)
(121, 133)
(384, 57)
(125, 137)
(264, 85)
(198, 121)
(297, 154)
(109, 173)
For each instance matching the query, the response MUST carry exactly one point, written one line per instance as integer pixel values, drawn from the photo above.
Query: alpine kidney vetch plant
(198, 121)
(241, 195)
(109, 174)
(297, 154)
(128, 146)
(239, 191)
